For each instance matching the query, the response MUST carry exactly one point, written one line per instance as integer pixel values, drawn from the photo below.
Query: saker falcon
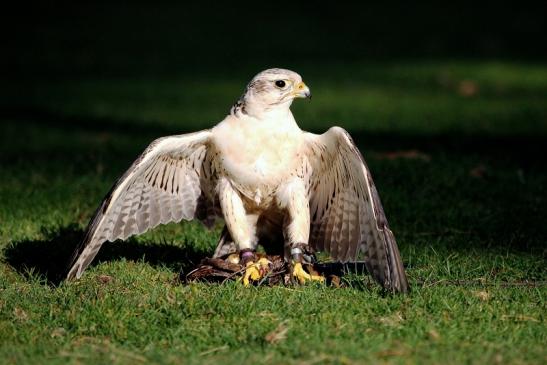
(273, 184)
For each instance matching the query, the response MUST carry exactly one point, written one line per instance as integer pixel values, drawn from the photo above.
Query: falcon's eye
(280, 84)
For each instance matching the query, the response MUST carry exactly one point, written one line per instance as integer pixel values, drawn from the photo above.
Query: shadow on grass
(48, 259)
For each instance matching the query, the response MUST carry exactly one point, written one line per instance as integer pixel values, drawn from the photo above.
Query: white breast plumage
(255, 153)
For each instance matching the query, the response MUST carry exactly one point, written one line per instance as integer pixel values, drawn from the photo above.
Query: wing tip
(74, 272)
(400, 286)
(399, 280)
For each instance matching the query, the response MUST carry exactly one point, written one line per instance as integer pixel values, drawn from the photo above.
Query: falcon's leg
(242, 229)
(293, 198)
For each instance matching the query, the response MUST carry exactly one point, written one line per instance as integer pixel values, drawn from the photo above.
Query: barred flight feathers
(163, 185)
(346, 213)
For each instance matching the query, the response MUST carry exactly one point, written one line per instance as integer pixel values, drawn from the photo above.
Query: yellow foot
(302, 276)
(256, 271)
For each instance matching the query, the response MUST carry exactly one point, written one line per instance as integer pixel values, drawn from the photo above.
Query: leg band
(246, 256)
(297, 252)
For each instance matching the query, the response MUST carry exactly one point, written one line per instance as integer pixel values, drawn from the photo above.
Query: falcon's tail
(225, 244)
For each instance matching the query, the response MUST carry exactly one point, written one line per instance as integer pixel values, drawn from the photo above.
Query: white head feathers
(271, 89)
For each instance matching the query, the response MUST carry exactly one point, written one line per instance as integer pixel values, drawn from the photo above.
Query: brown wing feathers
(347, 215)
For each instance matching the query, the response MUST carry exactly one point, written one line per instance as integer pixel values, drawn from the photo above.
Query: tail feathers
(225, 244)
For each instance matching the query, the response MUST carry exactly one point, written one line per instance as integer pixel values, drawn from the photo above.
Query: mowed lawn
(457, 150)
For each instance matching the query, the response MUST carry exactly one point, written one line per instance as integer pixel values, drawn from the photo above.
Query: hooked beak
(302, 91)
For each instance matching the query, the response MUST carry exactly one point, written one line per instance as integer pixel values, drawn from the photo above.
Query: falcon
(274, 184)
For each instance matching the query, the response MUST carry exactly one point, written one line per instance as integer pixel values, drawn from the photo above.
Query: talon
(302, 276)
(256, 271)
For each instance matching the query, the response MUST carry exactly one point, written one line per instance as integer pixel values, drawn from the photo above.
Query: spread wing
(163, 185)
(346, 213)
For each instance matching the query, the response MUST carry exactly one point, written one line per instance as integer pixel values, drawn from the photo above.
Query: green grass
(469, 217)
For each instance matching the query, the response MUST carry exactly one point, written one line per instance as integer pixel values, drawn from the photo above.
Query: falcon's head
(275, 87)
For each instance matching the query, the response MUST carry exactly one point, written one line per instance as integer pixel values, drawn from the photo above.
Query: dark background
(126, 38)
